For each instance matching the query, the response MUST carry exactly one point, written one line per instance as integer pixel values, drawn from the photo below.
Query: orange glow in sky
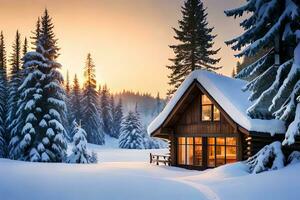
(128, 39)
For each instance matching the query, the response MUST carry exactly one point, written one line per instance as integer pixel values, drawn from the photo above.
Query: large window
(208, 111)
(218, 150)
(221, 150)
(189, 151)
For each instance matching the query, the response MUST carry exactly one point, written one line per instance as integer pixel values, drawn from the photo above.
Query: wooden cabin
(207, 125)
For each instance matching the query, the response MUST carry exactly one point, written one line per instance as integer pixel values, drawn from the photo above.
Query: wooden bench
(165, 159)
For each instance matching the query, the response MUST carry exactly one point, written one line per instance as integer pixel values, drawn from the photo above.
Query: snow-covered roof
(227, 93)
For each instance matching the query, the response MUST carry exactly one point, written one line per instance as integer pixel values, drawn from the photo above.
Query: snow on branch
(268, 158)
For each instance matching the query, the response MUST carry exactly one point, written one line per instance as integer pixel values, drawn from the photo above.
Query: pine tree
(4, 137)
(91, 117)
(68, 119)
(25, 47)
(117, 116)
(238, 67)
(248, 60)
(79, 151)
(272, 25)
(105, 110)
(112, 110)
(159, 105)
(194, 50)
(131, 133)
(75, 101)
(40, 135)
(36, 34)
(15, 80)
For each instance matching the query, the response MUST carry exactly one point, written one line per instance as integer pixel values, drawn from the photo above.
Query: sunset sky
(128, 39)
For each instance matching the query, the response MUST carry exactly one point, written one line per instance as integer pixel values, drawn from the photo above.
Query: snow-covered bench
(166, 159)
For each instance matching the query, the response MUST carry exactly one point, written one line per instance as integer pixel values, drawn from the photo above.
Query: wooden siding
(190, 122)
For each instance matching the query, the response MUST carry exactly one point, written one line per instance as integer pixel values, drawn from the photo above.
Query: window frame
(225, 149)
(212, 113)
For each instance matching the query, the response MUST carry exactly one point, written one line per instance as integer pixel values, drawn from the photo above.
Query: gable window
(208, 111)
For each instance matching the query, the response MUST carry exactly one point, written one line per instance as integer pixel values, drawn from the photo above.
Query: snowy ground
(126, 174)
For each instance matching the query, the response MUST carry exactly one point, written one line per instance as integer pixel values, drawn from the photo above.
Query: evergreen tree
(105, 111)
(91, 117)
(3, 100)
(25, 47)
(36, 34)
(238, 67)
(158, 106)
(272, 25)
(75, 101)
(40, 135)
(248, 60)
(131, 133)
(68, 119)
(14, 82)
(79, 151)
(67, 86)
(194, 50)
(117, 116)
(112, 110)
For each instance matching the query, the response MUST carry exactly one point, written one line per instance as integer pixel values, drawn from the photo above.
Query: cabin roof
(227, 92)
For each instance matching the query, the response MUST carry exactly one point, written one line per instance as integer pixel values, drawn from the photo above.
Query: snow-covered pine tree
(117, 119)
(194, 50)
(90, 115)
(268, 158)
(75, 101)
(15, 80)
(273, 25)
(131, 133)
(79, 151)
(112, 110)
(4, 137)
(40, 135)
(105, 111)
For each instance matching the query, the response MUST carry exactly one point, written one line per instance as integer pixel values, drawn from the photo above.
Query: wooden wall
(190, 122)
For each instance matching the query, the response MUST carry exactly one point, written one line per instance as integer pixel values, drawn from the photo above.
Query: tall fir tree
(25, 47)
(4, 137)
(158, 106)
(75, 101)
(274, 85)
(39, 135)
(36, 34)
(195, 44)
(91, 117)
(68, 119)
(116, 117)
(112, 110)
(131, 133)
(105, 110)
(15, 80)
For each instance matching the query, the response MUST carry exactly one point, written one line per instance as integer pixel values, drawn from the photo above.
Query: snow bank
(227, 92)
(140, 180)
